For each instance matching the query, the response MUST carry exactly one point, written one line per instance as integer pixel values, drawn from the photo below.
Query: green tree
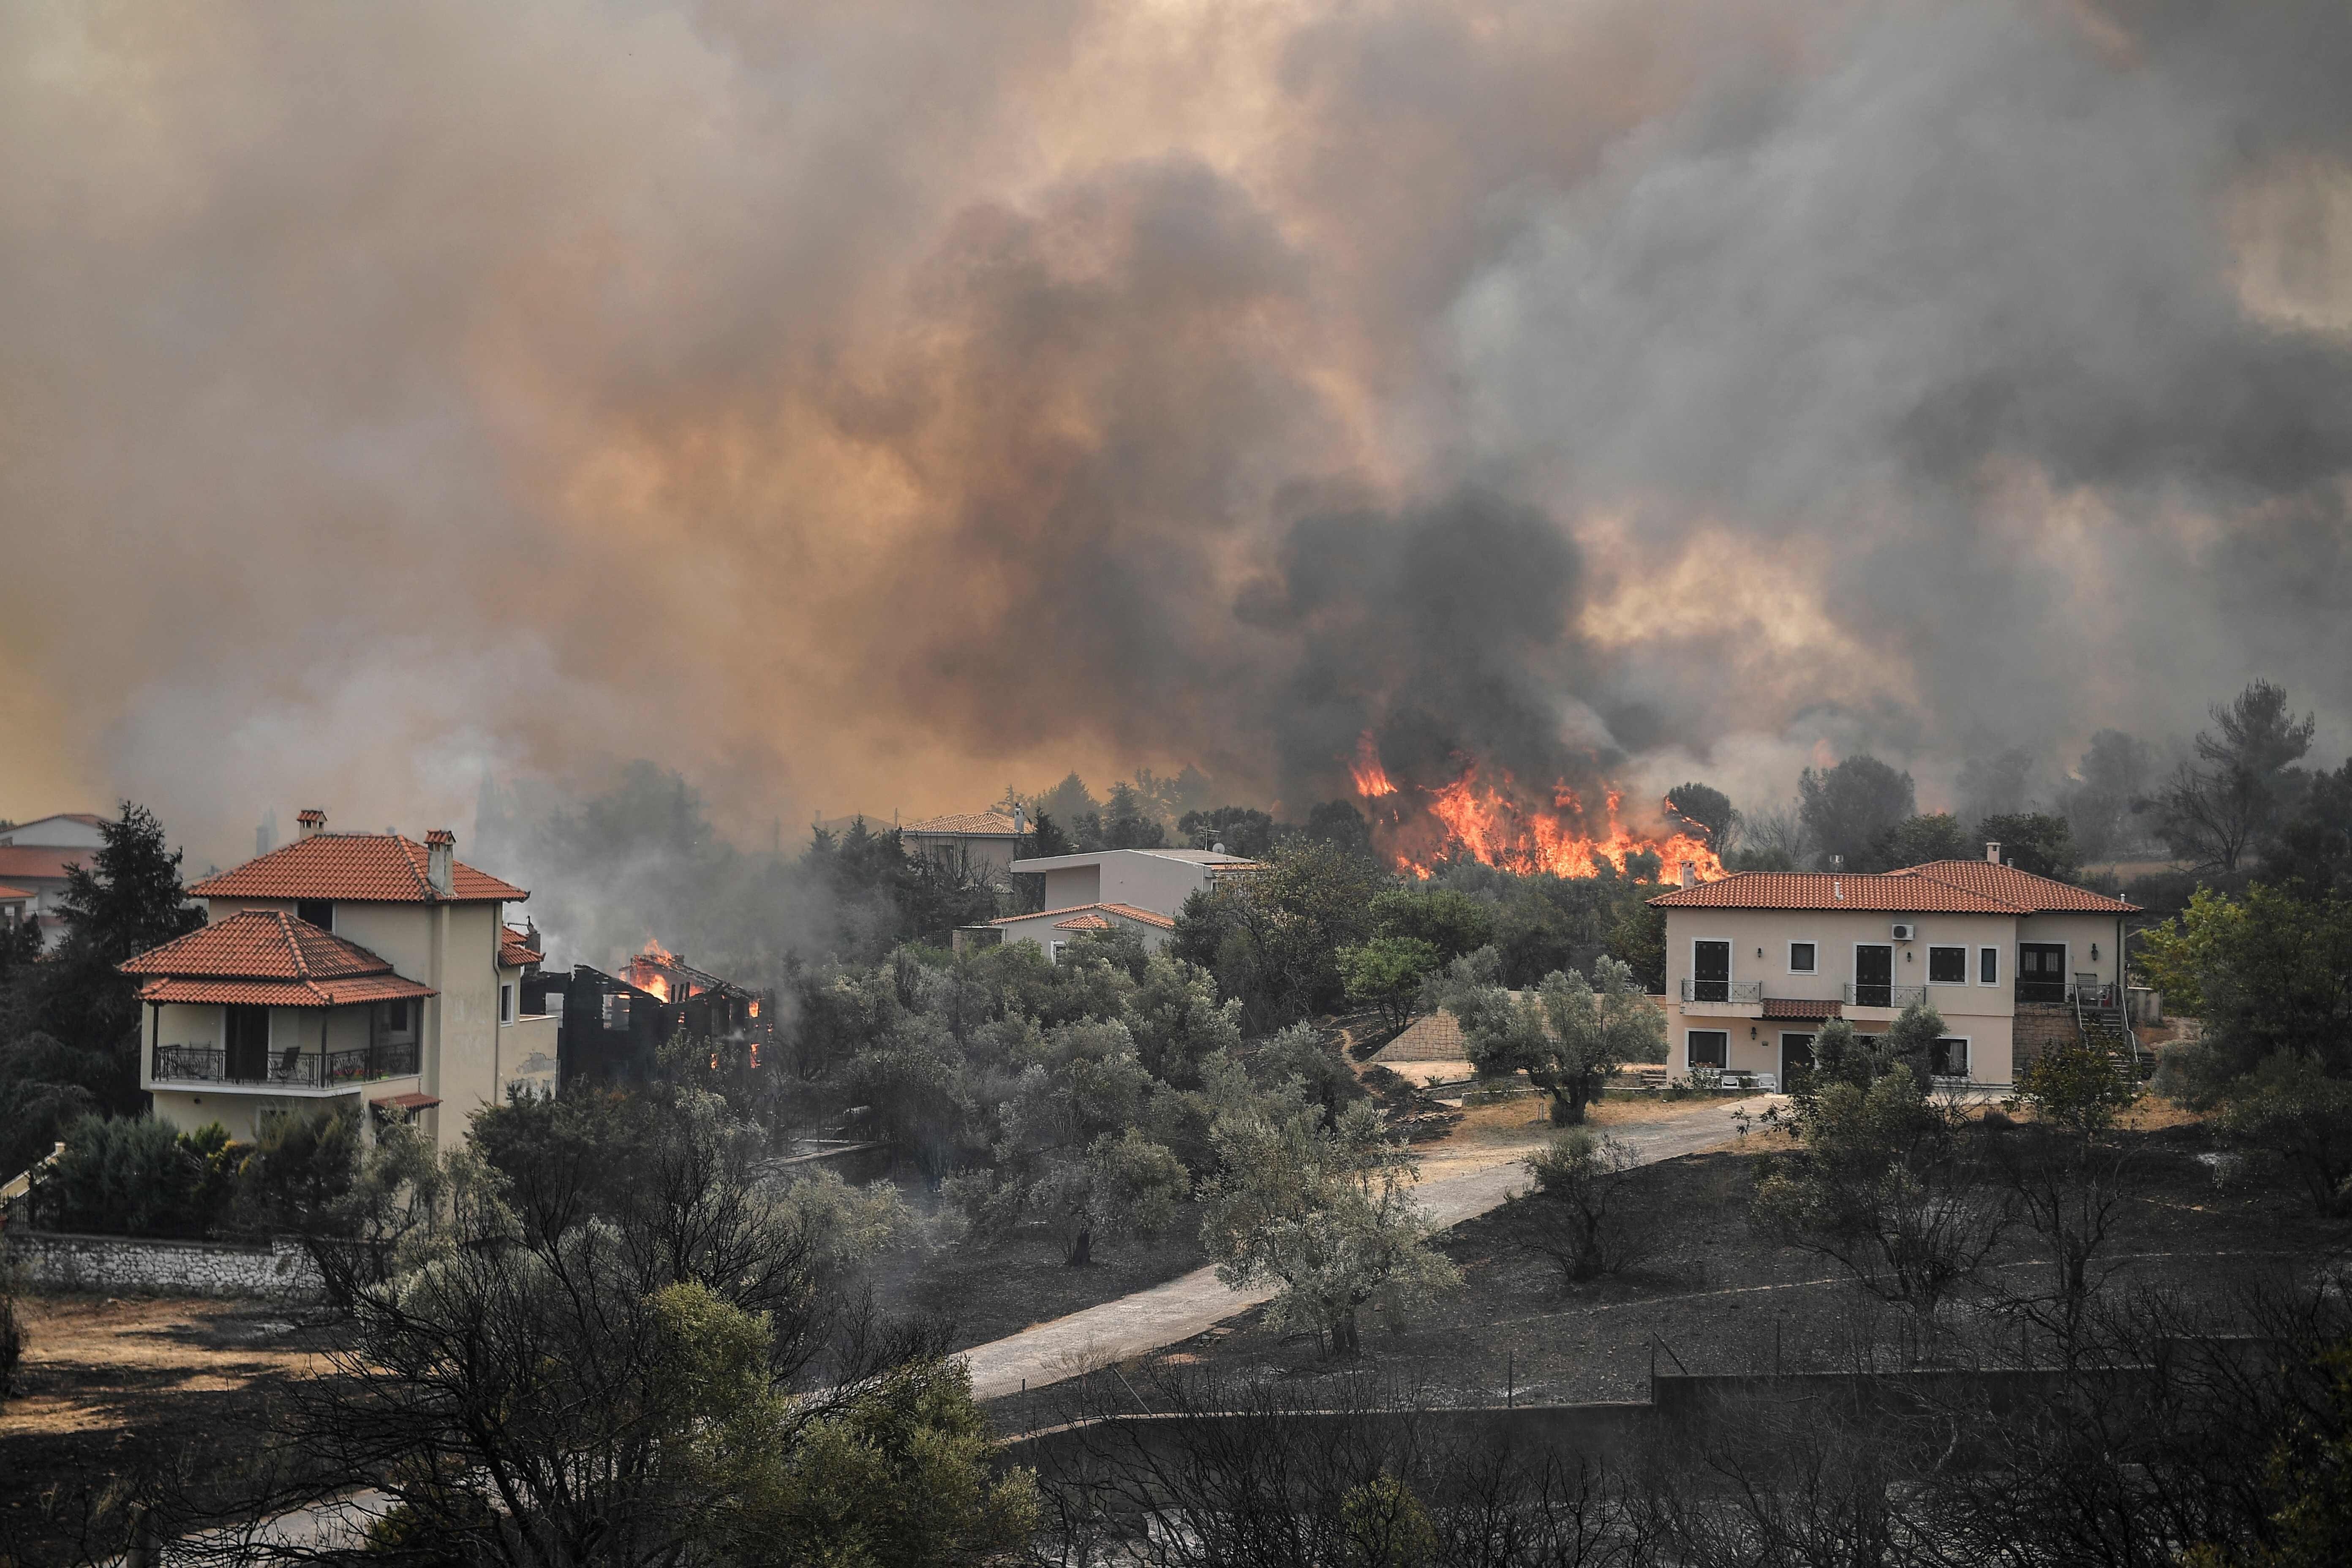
(2034, 841)
(128, 899)
(1385, 973)
(1574, 1216)
(1272, 938)
(2313, 852)
(1704, 811)
(1568, 1036)
(2269, 973)
(2225, 805)
(2108, 787)
(2296, 1114)
(138, 1176)
(1451, 921)
(1916, 840)
(1321, 1209)
(1386, 1526)
(1241, 830)
(1845, 808)
(1337, 823)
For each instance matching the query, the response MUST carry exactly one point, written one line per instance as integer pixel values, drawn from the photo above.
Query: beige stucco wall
(2080, 933)
(1973, 1011)
(453, 948)
(988, 857)
(1068, 887)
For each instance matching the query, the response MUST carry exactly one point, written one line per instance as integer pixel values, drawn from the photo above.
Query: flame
(646, 967)
(1371, 779)
(1495, 822)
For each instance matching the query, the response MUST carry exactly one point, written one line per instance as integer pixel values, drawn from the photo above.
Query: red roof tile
(20, 862)
(2041, 894)
(1892, 892)
(268, 958)
(1087, 922)
(355, 867)
(1801, 1008)
(9, 892)
(964, 825)
(515, 950)
(1148, 917)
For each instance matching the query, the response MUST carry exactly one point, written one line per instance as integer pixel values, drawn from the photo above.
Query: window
(1948, 966)
(1951, 1059)
(1710, 1047)
(399, 1020)
(616, 1009)
(1987, 966)
(1054, 951)
(319, 912)
(506, 1003)
(1804, 958)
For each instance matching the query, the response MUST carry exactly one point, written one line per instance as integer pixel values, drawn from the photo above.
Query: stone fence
(56, 1262)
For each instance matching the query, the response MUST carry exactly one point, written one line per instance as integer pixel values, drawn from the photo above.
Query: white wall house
(1756, 962)
(1142, 889)
(33, 859)
(361, 965)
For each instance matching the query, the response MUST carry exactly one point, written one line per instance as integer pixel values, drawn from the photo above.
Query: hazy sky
(869, 405)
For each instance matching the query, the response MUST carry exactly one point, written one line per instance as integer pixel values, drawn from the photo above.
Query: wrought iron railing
(1866, 994)
(1738, 991)
(295, 1068)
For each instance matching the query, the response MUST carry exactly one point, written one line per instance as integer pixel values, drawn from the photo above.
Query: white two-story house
(344, 965)
(1137, 889)
(1756, 962)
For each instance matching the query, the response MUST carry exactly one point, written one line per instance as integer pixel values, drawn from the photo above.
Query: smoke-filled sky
(864, 406)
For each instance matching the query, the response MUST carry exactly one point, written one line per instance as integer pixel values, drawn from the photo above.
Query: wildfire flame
(1371, 779)
(646, 967)
(1496, 822)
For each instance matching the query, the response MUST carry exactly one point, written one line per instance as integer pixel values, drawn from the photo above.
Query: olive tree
(1322, 1210)
(1568, 1034)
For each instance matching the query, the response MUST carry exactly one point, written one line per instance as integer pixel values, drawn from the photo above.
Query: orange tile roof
(38, 861)
(515, 950)
(1801, 1008)
(1087, 922)
(8, 892)
(1147, 917)
(355, 867)
(1891, 892)
(268, 959)
(965, 824)
(2038, 893)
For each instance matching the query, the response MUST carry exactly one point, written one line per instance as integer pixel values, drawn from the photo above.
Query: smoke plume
(861, 406)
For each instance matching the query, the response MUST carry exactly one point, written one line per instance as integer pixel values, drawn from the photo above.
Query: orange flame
(1496, 822)
(645, 967)
(1371, 779)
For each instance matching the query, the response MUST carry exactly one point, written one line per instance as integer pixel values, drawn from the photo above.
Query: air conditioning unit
(1905, 930)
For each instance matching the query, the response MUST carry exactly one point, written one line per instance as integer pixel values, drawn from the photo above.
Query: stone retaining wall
(58, 1261)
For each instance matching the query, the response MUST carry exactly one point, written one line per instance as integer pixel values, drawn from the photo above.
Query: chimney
(309, 822)
(1690, 872)
(440, 852)
(1992, 850)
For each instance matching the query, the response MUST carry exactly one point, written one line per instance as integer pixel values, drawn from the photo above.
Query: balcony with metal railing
(1737, 992)
(1870, 994)
(290, 1069)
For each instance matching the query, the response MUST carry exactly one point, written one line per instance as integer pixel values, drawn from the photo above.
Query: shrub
(137, 1177)
(2290, 1113)
(1575, 1217)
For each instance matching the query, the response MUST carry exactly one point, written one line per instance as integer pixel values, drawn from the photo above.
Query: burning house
(614, 1025)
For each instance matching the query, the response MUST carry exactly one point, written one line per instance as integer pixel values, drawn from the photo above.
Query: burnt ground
(114, 1390)
(1720, 1296)
(985, 1292)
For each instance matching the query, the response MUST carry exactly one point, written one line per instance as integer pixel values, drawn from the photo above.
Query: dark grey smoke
(867, 406)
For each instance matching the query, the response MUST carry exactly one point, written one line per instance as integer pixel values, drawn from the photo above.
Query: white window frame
(506, 1001)
(1968, 1058)
(1688, 1062)
(1936, 947)
(1981, 951)
(1053, 952)
(1789, 958)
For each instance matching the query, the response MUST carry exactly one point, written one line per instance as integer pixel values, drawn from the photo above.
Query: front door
(1874, 975)
(1711, 972)
(248, 1045)
(1796, 1056)
(2042, 972)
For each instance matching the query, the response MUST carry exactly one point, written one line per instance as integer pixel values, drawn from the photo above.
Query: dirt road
(1470, 1172)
